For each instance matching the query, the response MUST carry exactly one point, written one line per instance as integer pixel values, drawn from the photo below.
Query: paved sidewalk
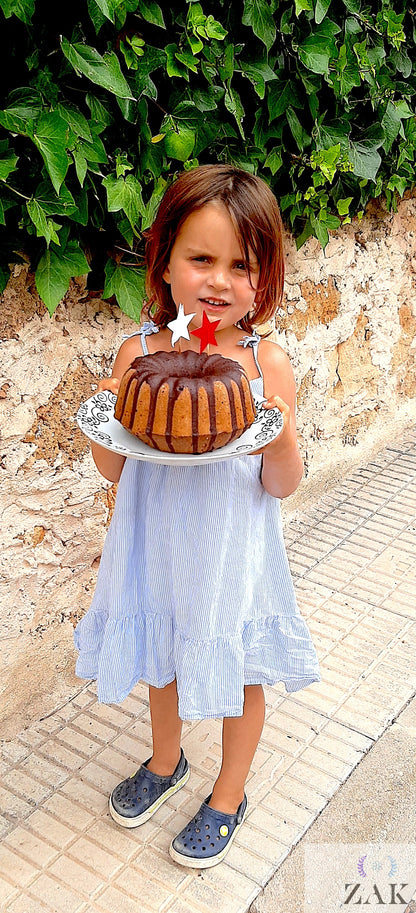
(352, 557)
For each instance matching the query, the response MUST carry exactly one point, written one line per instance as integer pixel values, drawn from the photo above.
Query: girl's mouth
(214, 303)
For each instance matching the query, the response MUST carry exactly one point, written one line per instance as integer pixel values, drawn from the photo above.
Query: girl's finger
(274, 402)
(108, 383)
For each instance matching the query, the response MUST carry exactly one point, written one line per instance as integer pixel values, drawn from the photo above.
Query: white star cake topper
(179, 326)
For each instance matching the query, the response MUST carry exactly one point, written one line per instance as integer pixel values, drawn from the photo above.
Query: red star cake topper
(206, 333)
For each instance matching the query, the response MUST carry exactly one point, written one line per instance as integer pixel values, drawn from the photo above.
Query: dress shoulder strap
(146, 330)
(253, 342)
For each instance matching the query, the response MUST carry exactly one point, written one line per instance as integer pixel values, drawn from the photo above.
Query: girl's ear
(166, 275)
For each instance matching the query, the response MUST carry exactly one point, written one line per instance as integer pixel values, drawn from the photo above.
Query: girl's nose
(219, 278)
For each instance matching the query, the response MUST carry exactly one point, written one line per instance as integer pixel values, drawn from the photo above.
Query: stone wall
(349, 325)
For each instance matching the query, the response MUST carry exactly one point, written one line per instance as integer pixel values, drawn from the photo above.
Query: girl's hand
(282, 439)
(276, 402)
(108, 383)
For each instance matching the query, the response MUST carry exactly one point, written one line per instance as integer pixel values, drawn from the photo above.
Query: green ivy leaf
(151, 12)
(321, 9)
(302, 6)
(125, 193)
(187, 58)
(214, 29)
(108, 8)
(173, 65)
(179, 143)
(50, 135)
(258, 72)
(101, 117)
(51, 203)
(366, 161)
(127, 284)
(234, 105)
(103, 71)
(45, 228)
(315, 54)
(75, 120)
(274, 160)
(301, 137)
(343, 206)
(353, 6)
(25, 107)
(258, 15)
(22, 9)
(280, 95)
(320, 230)
(55, 270)
(97, 17)
(8, 162)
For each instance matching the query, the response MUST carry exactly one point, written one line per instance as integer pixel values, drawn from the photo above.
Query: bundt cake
(182, 402)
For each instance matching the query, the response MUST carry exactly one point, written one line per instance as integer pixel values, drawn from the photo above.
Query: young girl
(194, 594)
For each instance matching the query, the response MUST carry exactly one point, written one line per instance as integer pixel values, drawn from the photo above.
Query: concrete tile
(7, 892)
(72, 874)
(94, 728)
(14, 807)
(154, 866)
(84, 794)
(282, 831)
(46, 826)
(257, 868)
(79, 742)
(326, 762)
(102, 862)
(20, 784)
(43, 769)
(56, 896)
(68, 759)
(137, 885)
(85, 697)
(112, 900)
(31, 847)
(26, 904)
(288, 810)
(124, 843)
(99, 777)
(18, 870)
(108, 713)
(31, 737)
(13, 752)
(208, 897)
(321, 781)
(117, 762)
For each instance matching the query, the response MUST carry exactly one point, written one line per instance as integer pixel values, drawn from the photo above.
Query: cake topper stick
(179, 326)
(206, 332)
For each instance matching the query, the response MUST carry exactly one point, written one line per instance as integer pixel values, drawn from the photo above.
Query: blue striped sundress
(194, 584)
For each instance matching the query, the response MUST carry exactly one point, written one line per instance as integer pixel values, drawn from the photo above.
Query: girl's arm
(282, 462)
(110, 464)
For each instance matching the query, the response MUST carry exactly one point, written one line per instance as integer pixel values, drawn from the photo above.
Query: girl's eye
(201, 259)
(241, 266)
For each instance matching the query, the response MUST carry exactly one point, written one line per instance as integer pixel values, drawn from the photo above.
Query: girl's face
(206, 270)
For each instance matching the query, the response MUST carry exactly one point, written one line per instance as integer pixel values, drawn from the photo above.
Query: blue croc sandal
(207, 838)
(136, 799)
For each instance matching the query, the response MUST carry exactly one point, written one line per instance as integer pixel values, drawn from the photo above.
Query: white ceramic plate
(96, 420)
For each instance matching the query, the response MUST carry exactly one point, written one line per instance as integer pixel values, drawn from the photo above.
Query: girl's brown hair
(255, 214)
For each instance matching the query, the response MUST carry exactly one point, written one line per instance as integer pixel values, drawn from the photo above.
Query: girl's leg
(240, 737)
(166, 729)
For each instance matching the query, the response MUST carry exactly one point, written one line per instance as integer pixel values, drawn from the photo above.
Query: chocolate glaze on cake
(183, 402)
